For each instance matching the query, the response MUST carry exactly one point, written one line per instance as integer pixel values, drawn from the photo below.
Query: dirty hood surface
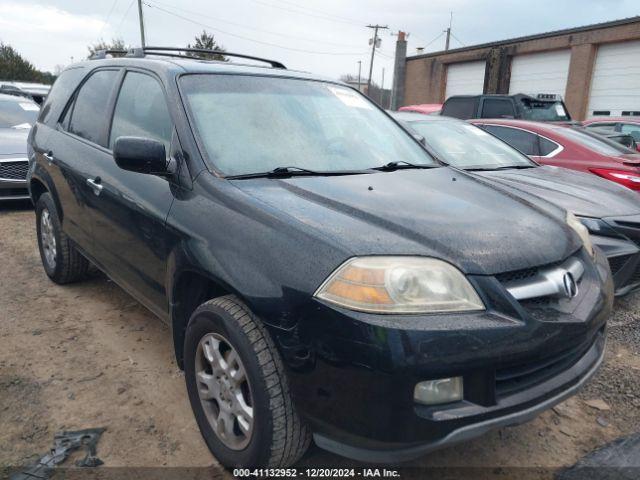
(581, 193)
(439, 212)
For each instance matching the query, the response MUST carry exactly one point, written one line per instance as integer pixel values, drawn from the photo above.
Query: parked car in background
(425, 108)
(37, 91)
(610, 212)
(570, 147)
(625, 125)
(323, 275)
(542, 107)
(17, 115)
(623, 139)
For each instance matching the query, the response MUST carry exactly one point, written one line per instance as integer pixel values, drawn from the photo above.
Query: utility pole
(359, 72)
(382, 102)
(448, 30)
(373, 51)
(142, 42)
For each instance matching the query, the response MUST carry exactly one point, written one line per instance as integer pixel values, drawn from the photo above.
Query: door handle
(49, 157)
(95, 185)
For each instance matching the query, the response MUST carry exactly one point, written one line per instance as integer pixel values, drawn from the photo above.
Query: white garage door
(540, 72)
(465, 78)
(615, 84)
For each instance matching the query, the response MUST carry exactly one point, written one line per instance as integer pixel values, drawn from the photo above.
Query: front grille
(616, 263)
(14, 170)
(519, 377)
(507, 277)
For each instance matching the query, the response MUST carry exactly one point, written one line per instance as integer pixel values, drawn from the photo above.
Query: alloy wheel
(224, 391)
(48, 238)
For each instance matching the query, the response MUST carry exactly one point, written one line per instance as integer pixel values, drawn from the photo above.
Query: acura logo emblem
(570, 285)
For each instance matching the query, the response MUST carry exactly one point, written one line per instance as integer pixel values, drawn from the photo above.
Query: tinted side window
(546, 146)
(603, 126)
(497, 108)
(63, 87)
(88, 117)
(141, 110)
(526, 142)
(463, 108)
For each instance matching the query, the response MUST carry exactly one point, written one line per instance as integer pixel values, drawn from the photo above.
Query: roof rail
(163, 50)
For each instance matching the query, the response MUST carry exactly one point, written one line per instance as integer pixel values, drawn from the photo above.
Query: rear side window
(526, 142)
(57, 98)
(497, 108)
(141, 110)
(547, 146)
(89, 114)
(463, 108)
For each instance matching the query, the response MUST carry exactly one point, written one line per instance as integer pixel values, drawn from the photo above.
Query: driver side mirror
(141, 155)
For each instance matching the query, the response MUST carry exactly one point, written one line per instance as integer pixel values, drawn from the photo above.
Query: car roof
(411, 117)
(173, 65)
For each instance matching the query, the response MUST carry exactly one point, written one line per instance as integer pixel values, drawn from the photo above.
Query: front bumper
(352, 375)
(573, 379)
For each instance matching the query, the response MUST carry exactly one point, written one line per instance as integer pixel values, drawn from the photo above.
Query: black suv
(323, 275)
(542, 107)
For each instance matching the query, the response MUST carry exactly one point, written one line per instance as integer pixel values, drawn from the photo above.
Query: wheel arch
(191, 288)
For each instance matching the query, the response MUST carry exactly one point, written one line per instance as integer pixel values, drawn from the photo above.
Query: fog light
(433, 392)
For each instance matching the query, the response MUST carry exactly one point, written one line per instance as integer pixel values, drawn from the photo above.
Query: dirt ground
(88, 355)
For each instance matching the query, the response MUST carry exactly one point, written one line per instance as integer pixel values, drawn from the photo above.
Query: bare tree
(116, 44)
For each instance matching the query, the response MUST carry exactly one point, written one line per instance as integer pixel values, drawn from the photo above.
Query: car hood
(440, 212)
(584, 194)
(13, 141)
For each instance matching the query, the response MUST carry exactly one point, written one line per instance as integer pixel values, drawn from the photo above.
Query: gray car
(17, 115)
(605, 208)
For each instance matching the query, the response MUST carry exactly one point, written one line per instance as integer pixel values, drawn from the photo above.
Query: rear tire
(277, 436)
(60, 259)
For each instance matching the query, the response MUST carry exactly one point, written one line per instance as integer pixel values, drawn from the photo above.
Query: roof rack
(179, 53)
(160, 50)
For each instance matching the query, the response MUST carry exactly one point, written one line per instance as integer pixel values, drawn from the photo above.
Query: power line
(124, 16)
(345, 19)
(458, 40)
(323, 17)
(106, 22)
(255, 29)
(204, 25)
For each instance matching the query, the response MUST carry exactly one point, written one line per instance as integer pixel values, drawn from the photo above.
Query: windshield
(595, 142)
(250, 124)
(544, 111)
(18, 114)
(469, 147)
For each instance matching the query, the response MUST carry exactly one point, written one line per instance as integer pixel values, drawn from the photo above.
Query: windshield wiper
(504, 167)
(280, 172)
(401, 164)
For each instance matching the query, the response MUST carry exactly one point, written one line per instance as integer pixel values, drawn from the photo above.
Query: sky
(326, 37)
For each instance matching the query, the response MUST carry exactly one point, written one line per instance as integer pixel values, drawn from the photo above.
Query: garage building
(595, 68)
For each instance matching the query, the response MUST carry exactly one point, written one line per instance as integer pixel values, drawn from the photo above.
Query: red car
(425, 108)
(623, 125)
(568, 146)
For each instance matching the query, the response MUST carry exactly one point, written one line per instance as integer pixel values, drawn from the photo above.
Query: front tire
(60, 259)
(238, 389)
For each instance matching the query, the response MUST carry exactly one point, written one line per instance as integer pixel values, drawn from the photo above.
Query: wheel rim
(224, 391)
(48, 239)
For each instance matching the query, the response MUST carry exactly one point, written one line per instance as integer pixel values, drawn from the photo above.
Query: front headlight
(582, 232)
(400, 285)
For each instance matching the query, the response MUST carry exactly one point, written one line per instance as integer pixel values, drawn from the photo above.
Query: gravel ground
(88, 355)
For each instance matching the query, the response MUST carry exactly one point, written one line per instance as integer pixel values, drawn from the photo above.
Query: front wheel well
(190, 291)
(36, 188)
